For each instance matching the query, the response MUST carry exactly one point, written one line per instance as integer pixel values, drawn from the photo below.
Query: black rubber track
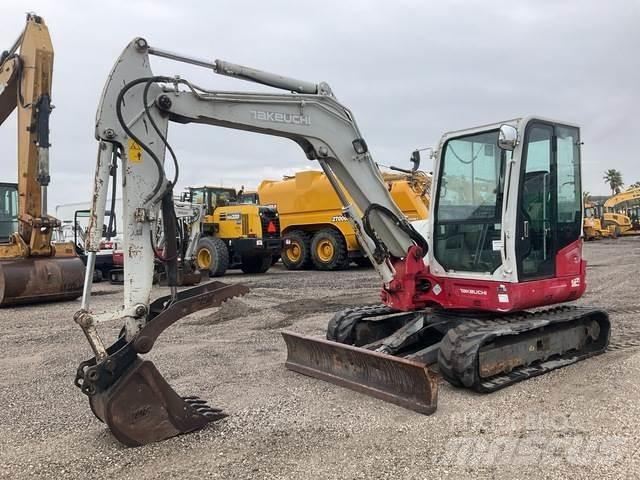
(459, 349)
(341, 325)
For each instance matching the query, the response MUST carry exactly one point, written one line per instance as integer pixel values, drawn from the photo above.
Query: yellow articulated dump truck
(315, 232)
(234, 235)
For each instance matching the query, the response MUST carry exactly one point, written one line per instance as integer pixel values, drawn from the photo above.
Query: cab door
(550, 198)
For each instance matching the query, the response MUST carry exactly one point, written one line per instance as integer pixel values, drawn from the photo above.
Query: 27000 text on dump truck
(316, 233)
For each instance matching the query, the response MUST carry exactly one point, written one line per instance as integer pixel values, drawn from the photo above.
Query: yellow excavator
(622, 211)
(32, 268)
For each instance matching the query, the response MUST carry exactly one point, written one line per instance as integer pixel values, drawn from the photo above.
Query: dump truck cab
(234, 234)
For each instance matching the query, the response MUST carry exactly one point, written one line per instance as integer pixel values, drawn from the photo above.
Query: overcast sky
(409, 70)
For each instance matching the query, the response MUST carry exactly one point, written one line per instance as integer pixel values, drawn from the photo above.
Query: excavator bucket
(141, 407)
(130, 395)
(32, 280)
(403, 382)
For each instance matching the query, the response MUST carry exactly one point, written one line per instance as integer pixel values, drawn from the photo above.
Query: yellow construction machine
(316, 232)
(622, 212)
(592, 224)
(32, 268)
(234, 234)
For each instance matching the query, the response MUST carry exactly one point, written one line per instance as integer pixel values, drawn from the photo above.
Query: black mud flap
(406, 383)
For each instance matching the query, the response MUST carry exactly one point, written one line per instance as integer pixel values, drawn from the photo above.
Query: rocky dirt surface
(578, 422)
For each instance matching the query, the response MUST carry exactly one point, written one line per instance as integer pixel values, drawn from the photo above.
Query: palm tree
(614, 178)
(634, 185)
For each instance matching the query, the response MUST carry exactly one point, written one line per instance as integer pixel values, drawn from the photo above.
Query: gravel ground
(578, 422)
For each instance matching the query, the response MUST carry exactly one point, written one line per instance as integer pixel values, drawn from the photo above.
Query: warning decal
(135, 152)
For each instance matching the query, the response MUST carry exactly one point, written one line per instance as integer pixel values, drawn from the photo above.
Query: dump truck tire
(363, 262)
(329, 250)
(255, 263)
(297, 255)
(212, 256)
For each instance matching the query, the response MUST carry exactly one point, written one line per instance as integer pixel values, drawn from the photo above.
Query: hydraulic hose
(401, 223)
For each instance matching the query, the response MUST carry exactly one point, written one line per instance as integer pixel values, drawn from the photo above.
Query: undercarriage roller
(33, 280)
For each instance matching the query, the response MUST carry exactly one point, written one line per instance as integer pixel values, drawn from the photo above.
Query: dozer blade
(33, 280)
(397, 380)
(141, 407)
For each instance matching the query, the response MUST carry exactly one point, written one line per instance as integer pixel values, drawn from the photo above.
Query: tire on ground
(256, 263)
(329, 250)
(297, 255)
(97, 276)
(212, 255)
(362, 262)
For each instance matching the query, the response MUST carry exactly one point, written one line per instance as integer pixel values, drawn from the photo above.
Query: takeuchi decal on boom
(280, 117)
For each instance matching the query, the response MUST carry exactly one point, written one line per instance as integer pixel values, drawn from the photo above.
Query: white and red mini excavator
(503, 237)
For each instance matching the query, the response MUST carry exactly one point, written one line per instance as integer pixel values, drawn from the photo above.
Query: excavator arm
(26, 86)
(132, 121)
(627, 196)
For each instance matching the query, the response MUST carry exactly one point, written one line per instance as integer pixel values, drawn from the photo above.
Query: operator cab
(211, 197)
(508, 200)
(8, 211)
(248, 198)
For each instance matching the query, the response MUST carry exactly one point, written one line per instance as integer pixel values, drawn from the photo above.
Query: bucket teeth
(194, 400)
(199, 405)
